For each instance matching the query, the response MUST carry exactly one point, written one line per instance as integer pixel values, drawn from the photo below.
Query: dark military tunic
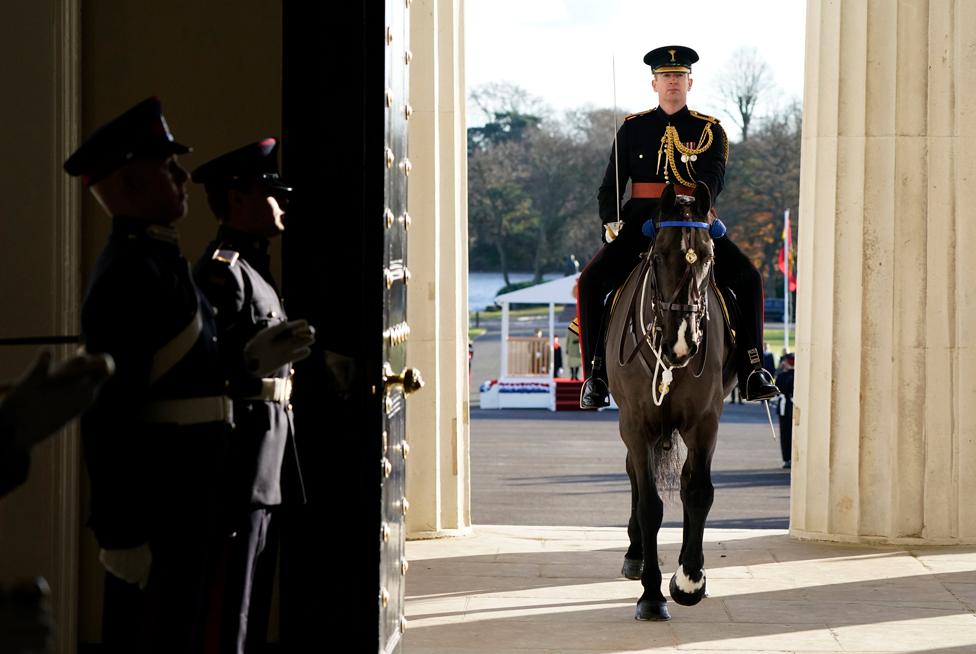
(643, 157)
(151, 481)
(235, 275)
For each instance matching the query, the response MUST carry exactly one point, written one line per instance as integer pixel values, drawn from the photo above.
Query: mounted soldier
(667, 145)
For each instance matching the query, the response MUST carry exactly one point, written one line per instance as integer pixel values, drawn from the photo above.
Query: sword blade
(770, 416)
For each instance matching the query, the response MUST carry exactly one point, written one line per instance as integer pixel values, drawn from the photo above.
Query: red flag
(787, 248)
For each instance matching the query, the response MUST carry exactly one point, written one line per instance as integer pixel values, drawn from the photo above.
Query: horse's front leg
(650, 511)
(634, 558)
(688, 582)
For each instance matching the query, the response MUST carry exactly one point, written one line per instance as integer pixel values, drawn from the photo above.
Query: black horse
(674, 367)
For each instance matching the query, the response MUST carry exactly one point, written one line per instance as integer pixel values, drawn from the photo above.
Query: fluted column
(884, 449)
(438, 478)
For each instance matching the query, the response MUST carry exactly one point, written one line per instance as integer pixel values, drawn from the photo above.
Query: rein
(660, 390)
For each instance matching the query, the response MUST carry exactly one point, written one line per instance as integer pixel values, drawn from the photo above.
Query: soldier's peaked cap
(671, 59)
(254, 161)
(140, 131)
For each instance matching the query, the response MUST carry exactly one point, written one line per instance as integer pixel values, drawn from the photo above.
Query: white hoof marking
(685, 584)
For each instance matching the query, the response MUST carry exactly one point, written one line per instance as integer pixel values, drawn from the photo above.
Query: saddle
(726, 301)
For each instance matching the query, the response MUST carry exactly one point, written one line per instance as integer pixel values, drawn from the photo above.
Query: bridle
(697, 308)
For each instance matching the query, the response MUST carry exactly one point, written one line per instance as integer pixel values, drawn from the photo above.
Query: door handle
(409, 380)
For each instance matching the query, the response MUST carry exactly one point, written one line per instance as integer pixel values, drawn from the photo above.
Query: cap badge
(672, 53)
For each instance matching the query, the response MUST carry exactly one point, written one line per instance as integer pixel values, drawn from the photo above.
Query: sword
(770, 416)
(613, 229)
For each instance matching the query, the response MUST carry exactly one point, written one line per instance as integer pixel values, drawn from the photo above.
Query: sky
(565, 51)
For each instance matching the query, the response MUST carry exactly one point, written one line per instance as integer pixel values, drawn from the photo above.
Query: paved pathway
(546, 590)
(536, 467)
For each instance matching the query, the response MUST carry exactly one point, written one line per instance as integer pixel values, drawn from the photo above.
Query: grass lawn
(475, 332)
(775, 339)
(514, 313)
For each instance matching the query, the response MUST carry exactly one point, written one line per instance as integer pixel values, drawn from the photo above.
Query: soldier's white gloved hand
(131, 565)
(277, 346)
(48, 396)
(610, 230)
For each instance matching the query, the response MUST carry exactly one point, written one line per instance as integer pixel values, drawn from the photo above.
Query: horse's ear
(668, 198)
(703, 199)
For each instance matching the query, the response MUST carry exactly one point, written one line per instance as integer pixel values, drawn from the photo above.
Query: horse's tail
(666, 457)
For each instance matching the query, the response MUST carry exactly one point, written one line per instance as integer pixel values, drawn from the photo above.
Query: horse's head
(681, 260)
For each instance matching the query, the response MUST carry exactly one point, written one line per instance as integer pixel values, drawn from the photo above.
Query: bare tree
(745, 79)
(494, 98)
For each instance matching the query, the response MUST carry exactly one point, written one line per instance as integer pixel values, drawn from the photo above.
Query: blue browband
(716, 230)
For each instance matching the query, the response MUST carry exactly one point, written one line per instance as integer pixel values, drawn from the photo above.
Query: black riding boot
(755, 383)
(595, 394)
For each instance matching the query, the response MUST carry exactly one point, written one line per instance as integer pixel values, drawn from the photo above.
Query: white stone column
(40, 246)
(884, 447)
(438, 478)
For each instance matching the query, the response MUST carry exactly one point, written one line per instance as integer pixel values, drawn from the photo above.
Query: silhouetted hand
(131, 565)
(47, 396)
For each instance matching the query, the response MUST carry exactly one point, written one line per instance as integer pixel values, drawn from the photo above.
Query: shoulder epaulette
(639, 113)
(710, 119)
(226, 256)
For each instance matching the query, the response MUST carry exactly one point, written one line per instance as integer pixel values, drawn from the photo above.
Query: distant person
(557, 358)
(572, 265)
(784, 380)
(669, 144)
(571, 357)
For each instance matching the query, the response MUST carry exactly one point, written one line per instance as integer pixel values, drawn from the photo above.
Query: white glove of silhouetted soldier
(277, 346)
(47, 396)
(130, 565)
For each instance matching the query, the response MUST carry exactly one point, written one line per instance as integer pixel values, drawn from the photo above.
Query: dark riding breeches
(605, 272)
(734, 270)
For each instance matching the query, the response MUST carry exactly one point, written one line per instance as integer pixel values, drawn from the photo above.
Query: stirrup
(765, 380)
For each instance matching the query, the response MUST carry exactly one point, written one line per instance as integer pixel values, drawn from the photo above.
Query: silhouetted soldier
(248, 199)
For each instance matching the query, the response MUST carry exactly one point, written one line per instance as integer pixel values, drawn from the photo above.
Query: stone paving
(522, 589)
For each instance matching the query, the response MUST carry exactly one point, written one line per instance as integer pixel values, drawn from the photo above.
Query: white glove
(131, 565)
(48, 396)
(611, 230)
(277, 346)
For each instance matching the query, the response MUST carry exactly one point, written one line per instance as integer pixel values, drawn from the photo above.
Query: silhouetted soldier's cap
(139, 132)
(790, 358)
(671, 59)
(254, 162)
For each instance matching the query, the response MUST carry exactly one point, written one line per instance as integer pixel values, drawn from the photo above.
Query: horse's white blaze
(680, 346)
(684, 582)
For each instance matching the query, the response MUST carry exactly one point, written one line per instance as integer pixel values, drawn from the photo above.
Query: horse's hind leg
(688, 582)
(634, 558)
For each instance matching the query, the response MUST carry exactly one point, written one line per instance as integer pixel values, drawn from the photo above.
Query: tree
(745, 79)
(762, 180)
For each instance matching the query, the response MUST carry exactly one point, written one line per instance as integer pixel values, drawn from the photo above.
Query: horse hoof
(652, 610)
(686, 598)
(632, 568)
